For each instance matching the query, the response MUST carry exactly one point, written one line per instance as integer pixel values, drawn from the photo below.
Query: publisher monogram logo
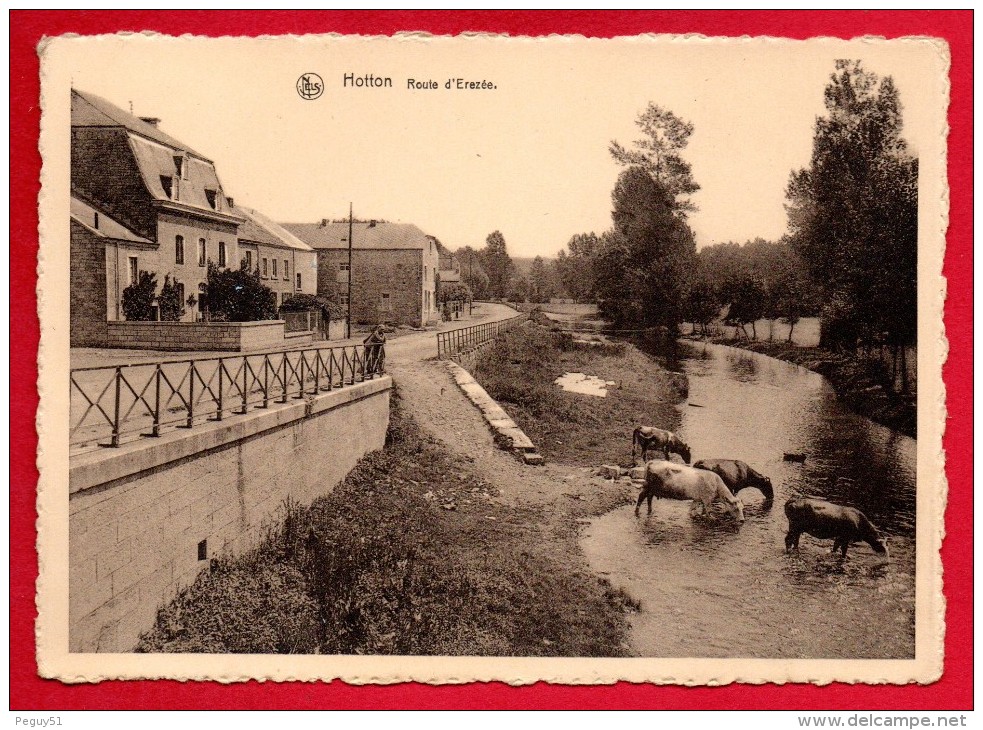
(310, 86)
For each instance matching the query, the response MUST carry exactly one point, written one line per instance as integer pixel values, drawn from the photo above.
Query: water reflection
(769, 604)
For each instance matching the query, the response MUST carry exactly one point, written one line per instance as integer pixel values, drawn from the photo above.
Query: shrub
(237, 295)
(138, 298)
(169, 301)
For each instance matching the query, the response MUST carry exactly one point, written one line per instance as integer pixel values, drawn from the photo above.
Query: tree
(854, 210)
(575, 272)
(540, 281)
(138, 298)
(453, 293)
(659, 153)
(660, 246)
(237, 295)
(703, 303)
(746, 297)
(497, 265)
(169, 301)
(518, 289)
(473, 273)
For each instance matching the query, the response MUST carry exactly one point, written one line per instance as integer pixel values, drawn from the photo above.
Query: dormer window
(180, 167)
(167, 183)
(212, 197)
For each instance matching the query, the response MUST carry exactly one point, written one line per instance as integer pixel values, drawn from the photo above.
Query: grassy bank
(411, 554)
(862, 385)
(519, 371)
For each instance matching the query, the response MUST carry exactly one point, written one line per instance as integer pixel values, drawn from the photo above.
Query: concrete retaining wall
(146, 518)
(202, 336)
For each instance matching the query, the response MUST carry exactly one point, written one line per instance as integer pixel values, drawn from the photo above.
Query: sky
(528, 157)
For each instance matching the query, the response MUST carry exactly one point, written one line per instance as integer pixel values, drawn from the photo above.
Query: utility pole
(348, 326)
(470, 283)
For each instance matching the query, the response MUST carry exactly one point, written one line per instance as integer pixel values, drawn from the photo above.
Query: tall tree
(540, 281)
(853, 211)
(472, 271)
(661, 247)
(497, 264)
(659, 153)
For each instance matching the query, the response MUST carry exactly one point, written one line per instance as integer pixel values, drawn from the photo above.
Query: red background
(27, 691)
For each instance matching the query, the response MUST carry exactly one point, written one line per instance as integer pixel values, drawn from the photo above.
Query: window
(286, 270)
(249, 261)
(343, 300)
(180, 169)
(179, 249)
(266, 272)
(133, 273)
(95, 221)
(202, 297)
(299, 286)
(343, 267)
(202, 252)
(386, 303)
(180, 292)
(274, 268)
(221, 253)
(211, 197)
(167, 183)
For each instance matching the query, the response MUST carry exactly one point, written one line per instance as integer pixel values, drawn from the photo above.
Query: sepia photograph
(477, 358)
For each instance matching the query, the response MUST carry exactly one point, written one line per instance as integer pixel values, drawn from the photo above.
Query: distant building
(285, 264)
(449, 271)
(141, 201)
(393, 271)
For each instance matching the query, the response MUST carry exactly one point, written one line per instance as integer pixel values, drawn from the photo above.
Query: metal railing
(109, 405)
(452, 343)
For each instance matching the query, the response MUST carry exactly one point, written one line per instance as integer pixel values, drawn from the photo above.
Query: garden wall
(202, 336)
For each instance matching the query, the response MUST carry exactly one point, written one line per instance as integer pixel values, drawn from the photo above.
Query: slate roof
(84, 214)
(382, 236)
(155, 153)
(89, 110)
(257, 228)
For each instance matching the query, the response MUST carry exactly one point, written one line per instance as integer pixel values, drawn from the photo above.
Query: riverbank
(520, 369)
(858, 384)
(418, 551)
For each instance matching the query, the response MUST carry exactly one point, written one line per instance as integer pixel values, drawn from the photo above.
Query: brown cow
(649, 438)
(737, 475)
(825, 520)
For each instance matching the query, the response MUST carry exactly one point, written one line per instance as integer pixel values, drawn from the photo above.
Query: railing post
(156, 429)
(245, 384)
(283, 396)
(191, 394)
(218, 415)
(266, 381)
(115, 439)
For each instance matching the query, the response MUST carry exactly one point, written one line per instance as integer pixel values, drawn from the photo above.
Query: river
(713, 589)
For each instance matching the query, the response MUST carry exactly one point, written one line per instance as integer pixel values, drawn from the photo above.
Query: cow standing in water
(825, 520)
(674, 481)
(649, 438)
(737, 475)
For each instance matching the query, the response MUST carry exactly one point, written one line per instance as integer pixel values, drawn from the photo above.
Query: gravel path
(429, 394)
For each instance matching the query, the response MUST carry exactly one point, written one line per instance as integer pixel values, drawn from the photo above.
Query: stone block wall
(199, 336)
(145, 519)
(398, 273)
(88, 288)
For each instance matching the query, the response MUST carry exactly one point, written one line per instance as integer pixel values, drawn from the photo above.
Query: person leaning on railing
(375, 350)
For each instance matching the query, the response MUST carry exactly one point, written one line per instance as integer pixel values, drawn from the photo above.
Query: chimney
(152, 121)
(232, 202)
(324, 223)
(372, 223)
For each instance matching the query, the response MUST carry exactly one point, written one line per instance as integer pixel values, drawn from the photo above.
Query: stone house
(393, 269)
(286, 264)
(141, 201)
